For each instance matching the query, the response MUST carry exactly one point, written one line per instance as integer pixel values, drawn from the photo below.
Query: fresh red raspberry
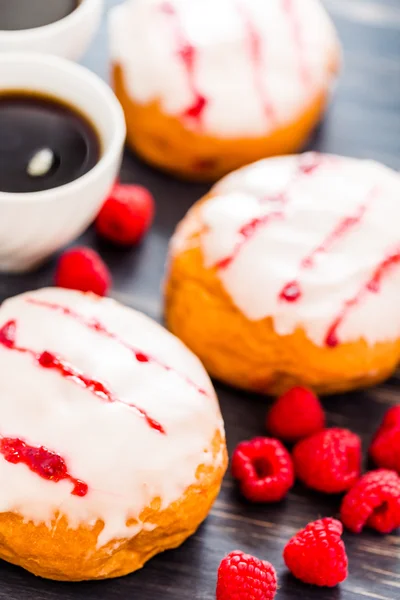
(296, 415)
(391, 418)
(245, 577)
(374, 501)
(317, 554)
(385, 447)
(264, 469)
(328, 461)
(126, 215)
(83, 269)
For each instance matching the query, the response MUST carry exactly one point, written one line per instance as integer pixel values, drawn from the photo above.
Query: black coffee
(28, 14)
(43, 143)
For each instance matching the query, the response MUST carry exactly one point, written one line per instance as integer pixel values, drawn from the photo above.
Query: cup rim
(51, 28)
(105, 94)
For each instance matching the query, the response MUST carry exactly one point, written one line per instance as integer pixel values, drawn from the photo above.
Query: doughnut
(112, 445)
(288, 273)
(208, 86)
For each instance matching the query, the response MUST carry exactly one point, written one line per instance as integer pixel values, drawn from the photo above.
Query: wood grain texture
(364, 120)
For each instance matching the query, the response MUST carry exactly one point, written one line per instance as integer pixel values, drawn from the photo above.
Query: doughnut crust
(249, 353)
(112, 445)
(61, 553)
(208, 87)
(164, 142)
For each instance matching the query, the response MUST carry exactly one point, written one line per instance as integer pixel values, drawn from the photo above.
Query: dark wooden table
(364, 121)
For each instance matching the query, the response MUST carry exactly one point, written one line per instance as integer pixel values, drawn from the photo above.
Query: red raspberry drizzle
(294, 22)
(292, 292)
(100, 328)
(188, 55)
(45, 463)
(307, 165)
(372, 285)
(256, 52)
(47, 360)
(246, 233)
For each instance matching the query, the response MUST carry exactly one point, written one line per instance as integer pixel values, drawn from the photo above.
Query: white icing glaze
(313, 207)
(125, 462)
(258, 63)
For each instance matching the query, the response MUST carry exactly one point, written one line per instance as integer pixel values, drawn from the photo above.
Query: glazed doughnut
(210, 86)
(288, 273)
(112, 446)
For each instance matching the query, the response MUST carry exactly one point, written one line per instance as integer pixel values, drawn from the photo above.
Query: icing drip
(292, 291)
(124, 462)
(256, 44)
(95, 325)
(232, 69)
(372, 285)
(187, 54)
(47, 360)
(295, 25)
(304, 267)
(40, 460)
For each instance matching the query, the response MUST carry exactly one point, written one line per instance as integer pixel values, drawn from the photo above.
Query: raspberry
(329, 461)
(295, 415)
(317, 554)
(82, 269)
(126, 215)
(245, 577)
(385, 447)
(391, 419)
(374, 501)
(264, 469)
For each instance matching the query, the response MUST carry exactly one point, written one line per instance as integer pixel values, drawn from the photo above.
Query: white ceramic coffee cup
(69, 37)
(34, 225)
